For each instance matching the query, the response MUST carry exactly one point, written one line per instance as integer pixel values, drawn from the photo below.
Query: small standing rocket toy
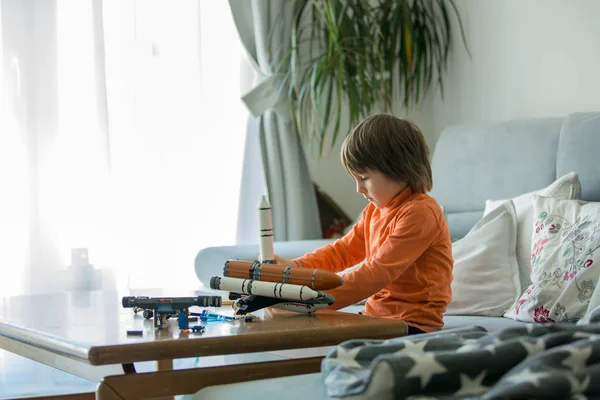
(263, 283)
(265, 221)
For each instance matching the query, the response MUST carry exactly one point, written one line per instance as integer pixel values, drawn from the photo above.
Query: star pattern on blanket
(577, 357)
(469, 345)
(413, 348)
(526, 361)
(532, 345)
(527, 375)
(425, 367)
(586, 335)
(472, 344)
(578, 396)
(470, 386)
(492, 347)
(576, 385)
(347, 357)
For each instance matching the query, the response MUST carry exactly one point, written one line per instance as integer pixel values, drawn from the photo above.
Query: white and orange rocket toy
(263, 283)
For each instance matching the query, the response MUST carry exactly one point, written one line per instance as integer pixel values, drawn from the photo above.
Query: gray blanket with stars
(534, 361)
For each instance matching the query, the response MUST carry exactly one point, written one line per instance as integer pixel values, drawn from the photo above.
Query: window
(139, 158)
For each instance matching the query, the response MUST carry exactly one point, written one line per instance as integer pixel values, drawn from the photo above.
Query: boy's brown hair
(393, 146)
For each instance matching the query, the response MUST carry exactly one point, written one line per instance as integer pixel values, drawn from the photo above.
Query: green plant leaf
(359, 54)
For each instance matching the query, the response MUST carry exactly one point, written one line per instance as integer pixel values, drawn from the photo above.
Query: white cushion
(565, 261)
(566, 187)
(486, 274)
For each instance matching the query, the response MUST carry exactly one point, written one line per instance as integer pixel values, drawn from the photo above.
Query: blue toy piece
(208, 316)
(182, 320)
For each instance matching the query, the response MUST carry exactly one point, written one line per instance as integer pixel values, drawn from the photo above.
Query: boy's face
(377, 188)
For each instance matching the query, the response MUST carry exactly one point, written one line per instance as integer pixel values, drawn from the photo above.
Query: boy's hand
(285, 261)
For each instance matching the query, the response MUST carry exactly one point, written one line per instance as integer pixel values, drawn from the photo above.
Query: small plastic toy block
(208, 316)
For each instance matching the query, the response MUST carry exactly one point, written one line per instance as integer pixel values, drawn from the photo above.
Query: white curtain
(121, 131)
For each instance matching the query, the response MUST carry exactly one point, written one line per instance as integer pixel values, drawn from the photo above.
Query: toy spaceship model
(251, 295)
(162, 308)
(259, 284)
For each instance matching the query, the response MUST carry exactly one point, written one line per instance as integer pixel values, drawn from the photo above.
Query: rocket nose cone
(264, 203)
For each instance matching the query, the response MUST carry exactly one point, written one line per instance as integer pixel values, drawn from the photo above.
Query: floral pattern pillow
(565, 261)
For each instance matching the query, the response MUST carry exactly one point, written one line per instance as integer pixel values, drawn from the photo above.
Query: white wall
(529, 58)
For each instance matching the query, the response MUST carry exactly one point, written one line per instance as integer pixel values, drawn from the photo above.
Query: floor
(20, 377)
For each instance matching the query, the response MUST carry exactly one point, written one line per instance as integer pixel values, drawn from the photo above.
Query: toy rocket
(316, 279)
(259, 284)
(265, 221)
(259, 288)
(260, 294)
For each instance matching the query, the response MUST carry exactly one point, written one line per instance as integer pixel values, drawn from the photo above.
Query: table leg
(165, 365)
(105, 392)
(129, 368)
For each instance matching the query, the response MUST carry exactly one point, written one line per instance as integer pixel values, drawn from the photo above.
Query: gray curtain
(271, 133)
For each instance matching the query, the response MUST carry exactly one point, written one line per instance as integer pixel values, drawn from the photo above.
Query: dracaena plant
(350, 58)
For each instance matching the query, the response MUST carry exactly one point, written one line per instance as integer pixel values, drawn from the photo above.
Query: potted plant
(362, 55)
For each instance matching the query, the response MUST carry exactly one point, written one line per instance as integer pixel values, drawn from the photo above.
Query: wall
(532, 58)
(529, 58)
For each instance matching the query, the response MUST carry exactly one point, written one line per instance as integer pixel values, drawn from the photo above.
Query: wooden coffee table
(85, 334)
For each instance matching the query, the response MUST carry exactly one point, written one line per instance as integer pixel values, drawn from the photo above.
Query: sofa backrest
(476, 162)
(579, 151)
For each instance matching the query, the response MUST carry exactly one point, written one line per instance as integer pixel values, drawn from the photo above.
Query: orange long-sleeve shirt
(407, 254)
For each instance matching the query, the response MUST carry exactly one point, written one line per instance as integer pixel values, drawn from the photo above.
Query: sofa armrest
(210, 261)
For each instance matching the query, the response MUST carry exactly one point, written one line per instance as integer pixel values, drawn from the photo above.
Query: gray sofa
(471, 164)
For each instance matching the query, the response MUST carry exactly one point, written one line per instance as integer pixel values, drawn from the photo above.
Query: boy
(402, 236)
